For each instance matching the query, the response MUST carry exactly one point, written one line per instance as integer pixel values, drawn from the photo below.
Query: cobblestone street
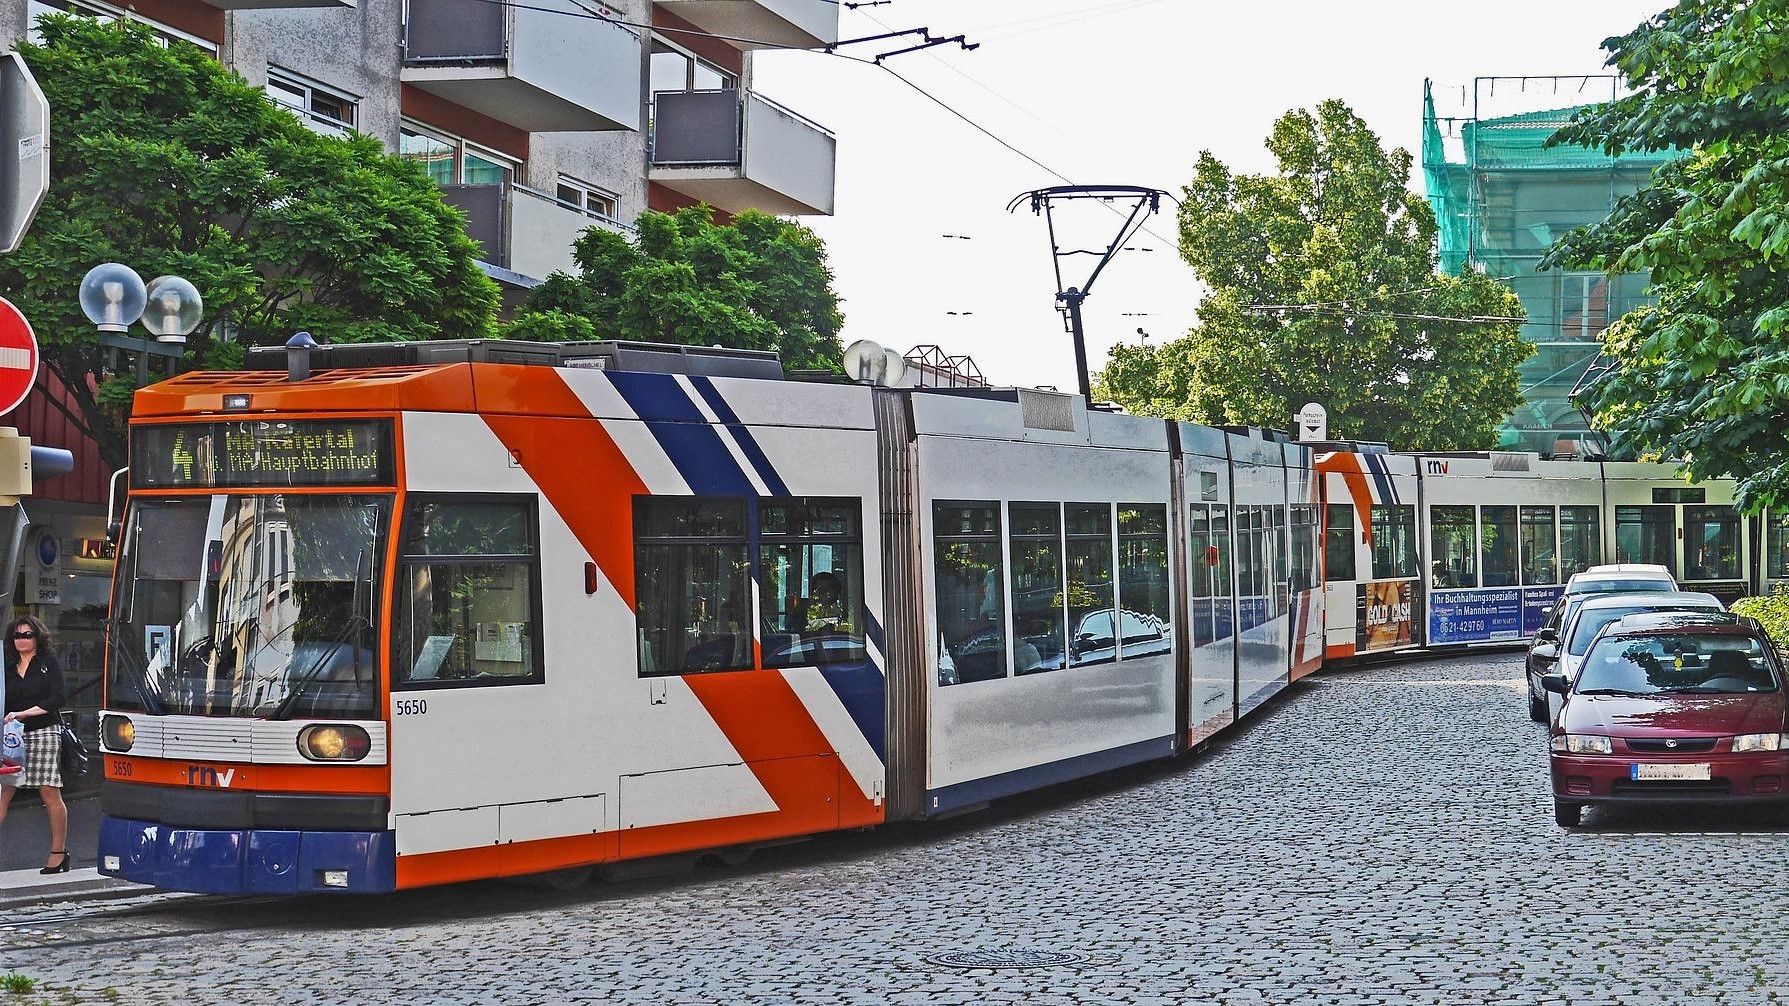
(1380, 835)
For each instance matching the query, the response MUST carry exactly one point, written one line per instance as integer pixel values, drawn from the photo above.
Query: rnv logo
(205, 775)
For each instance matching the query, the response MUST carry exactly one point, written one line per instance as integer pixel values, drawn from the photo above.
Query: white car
(1620, 576)
(1591, 614)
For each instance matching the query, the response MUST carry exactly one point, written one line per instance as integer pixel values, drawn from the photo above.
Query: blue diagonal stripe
(747, 443)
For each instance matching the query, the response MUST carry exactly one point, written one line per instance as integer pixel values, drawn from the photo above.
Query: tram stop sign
(18, 357)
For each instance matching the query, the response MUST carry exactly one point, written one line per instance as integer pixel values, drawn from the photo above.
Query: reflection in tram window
(1497, 540)
(1200, 571)
(691, 573)
(971, 616)
(1338, 543)
(1303, 572)
(1647, 534)
(1453, 545)
(1776, 558)
(1394, 541)
(1540, 556)
(1580, 539)
(1145, 618)
(467, 594)
(1039, 626)
(1222, 605)
(1710, 543)
(810, 584)
(1093, 636)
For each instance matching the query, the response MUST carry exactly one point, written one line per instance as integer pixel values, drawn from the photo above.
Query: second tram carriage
(446, 611)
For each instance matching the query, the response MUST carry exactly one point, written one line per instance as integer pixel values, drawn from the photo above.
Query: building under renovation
(1502, 197)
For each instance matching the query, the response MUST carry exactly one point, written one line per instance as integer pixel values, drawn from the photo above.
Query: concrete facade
(552, 105)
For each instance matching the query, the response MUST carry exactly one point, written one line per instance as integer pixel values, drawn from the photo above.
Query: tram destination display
(262, 452)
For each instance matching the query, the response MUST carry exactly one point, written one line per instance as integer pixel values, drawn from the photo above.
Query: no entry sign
(18, 357)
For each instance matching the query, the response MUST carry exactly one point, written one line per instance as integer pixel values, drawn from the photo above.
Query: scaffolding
(1502, 197)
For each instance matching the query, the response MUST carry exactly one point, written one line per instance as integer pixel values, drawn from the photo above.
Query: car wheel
(1567, 814)
(1537, 707)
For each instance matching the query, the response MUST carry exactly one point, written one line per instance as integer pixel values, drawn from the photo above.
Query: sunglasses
(26, 634)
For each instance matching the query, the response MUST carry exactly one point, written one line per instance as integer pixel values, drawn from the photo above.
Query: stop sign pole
(24, 150)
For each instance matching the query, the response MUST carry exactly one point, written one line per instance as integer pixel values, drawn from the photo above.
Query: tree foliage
(760, 282)
(1390, 350)
(164, 160)
(1704, 374)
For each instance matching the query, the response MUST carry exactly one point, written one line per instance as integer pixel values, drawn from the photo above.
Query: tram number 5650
(410, 707)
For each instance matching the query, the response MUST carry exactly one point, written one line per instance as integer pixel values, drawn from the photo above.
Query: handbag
(74, 754)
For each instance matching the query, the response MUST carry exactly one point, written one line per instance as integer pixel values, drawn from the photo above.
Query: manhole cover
(1005, 959)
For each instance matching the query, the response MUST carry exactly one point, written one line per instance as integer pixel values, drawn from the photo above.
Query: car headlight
(334, 742)
(1757, 742)
(1583, 744)
(118, 733)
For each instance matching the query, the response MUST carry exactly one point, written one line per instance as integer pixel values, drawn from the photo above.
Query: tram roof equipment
(611, 354)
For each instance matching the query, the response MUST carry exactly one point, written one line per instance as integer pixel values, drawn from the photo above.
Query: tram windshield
(248, 605)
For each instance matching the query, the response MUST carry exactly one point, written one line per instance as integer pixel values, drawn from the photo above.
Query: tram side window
(1497, 538)
(468, 593)
(693, 599)
(1580, 539)
(1394, 541)
(1540, 551)
(1453, 546)
(971, 617)
(1338, 543)
(1040, 640)
(810, 566)
(1710, 543)
(1777, 542)
(1304, 547)
(1092, 632)
(1646, 534)
(1145, 619)
(1200, 571)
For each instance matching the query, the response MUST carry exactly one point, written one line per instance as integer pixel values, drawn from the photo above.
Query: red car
(1680, 706)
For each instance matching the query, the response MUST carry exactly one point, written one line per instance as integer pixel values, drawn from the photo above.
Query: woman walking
(34, 697)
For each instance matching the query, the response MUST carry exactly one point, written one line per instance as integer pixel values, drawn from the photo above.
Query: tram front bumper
(249, 860)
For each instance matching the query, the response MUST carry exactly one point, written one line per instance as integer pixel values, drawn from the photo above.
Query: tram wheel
(1567, 814)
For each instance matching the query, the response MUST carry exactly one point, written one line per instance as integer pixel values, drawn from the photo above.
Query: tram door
(1212, 601)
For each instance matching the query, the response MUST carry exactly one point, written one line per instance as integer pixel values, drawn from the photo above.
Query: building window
(676, 69)
(1039, 626)
(971, 619)
(1338, 543)
(1145, 618)
(322, 108)
(107, 12)
(1453, 545)
(468, 593)
(1394, 541)
(692, 580)
(810, 581)
(1583, 305)
(451, 160)
(586, 197)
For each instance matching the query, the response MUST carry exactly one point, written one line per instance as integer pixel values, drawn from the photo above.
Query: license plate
(1675, 772)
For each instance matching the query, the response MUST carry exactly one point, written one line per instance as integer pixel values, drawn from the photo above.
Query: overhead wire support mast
(1144, 201)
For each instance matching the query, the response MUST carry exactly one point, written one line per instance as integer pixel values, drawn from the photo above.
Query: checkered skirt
(43, 758)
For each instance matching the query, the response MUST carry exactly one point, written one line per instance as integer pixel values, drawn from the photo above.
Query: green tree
(1703, 375)
(166, 161)
(760, 282)
(1393, 350)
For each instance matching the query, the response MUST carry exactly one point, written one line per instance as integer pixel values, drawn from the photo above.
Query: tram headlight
(118, 732)
(334, 742)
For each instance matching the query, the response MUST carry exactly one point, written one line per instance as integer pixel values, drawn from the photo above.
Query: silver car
(1588, 617)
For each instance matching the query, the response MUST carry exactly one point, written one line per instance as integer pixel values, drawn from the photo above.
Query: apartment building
(538, 118)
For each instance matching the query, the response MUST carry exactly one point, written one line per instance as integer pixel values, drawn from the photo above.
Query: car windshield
(1687, 662)
(1592, 622)
(247, 605)
(1620, 586)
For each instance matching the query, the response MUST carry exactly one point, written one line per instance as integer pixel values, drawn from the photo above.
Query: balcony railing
(525, 230)
(737, 150)
(758, 23)
(550, 65)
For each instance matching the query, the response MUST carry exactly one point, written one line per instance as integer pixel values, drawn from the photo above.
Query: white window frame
(586, 191)
(106, 11)
(689, 77)
(309, 88)
(461, 147)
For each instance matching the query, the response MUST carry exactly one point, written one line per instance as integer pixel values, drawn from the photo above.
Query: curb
(28, 888)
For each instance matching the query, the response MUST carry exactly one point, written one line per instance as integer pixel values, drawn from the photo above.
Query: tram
(448, 611)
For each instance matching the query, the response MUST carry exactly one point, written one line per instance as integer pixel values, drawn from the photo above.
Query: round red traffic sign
(18, 357)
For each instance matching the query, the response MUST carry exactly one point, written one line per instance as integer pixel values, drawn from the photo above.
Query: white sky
(1109, 92)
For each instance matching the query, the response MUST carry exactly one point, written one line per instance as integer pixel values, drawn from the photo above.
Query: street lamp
(114, 297)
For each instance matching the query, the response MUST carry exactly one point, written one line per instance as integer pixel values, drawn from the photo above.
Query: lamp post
(114, 297)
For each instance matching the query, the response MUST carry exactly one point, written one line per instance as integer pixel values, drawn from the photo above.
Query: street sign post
(18, 357)
(1313, 422)
(24, 150)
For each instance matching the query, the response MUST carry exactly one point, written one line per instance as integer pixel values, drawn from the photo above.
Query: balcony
(801, 23)
(534, 69)
(523, 230)
(277, 4)
(735, 151)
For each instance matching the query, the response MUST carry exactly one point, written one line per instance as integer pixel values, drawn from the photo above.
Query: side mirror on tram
(1555, 683)
(1546, 653)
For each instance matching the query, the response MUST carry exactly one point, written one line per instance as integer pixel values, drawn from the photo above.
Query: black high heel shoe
(61, 867)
